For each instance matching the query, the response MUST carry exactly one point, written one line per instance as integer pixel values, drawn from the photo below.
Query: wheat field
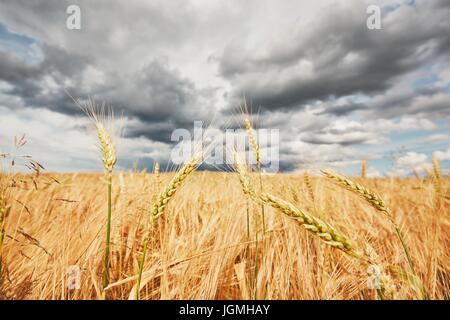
(202, 248)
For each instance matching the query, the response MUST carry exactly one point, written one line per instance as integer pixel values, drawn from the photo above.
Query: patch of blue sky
(381, 156)
(425, 82)
(380, 165)
(21, 45)
(351, 170)
(430, 76)
(392, 7)
(416, 141)
(359, 98)
(443, 124)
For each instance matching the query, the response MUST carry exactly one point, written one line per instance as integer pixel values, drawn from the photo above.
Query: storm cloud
(331, 86)
(336, 55)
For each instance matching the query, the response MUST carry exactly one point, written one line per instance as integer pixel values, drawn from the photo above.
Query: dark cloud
(28, 81)
(156, 131)
(98, 62)
(431, 102)
(325, 81)
(156, 94)
(338, 56)
(20, 76)
(343, 109)
(158, 97)
(323, 138)
(345, 135)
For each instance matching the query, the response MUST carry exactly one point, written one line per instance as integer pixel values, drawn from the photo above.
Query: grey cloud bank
(314, 71)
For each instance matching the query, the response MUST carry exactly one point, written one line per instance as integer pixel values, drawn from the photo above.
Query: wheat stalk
(416, 175)
(157, 184)
(159, 206)
(377, 202)
(372, 198)
(156, 172)
(436, 168)
(436, 175)
(109, 158)
(256, 151)
(312, 224)
(363, 169)
(318, 228)
(436, 179)
(309, 186)
(2, 228)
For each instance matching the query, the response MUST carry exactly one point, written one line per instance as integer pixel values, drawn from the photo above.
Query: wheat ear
(256, 151)
(318, 228)
(436, 176)
(378, 203)
(2, 229)
(160, 205)
(109, 159)
(107, 149)
(176, 182)
(363, 169)
(156, 172)
(309, 186)
(373, 199)
(312, 224)
(253, 141)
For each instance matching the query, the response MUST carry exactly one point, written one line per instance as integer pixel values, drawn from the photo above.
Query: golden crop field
(224, 155)
(203, 247)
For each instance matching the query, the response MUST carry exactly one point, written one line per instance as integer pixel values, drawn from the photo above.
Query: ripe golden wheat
(159, 207)
(205, 251)
(253, 141)
(371, 197)
(377, 202)
(309, 186)
(314, 225)
(107, 149)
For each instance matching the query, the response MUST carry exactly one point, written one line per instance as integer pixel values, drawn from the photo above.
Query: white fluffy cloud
(64, 143)
(443, 155)
(408, 163)
(434, 138)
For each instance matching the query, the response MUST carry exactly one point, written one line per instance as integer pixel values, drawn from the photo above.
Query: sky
(338, 92)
